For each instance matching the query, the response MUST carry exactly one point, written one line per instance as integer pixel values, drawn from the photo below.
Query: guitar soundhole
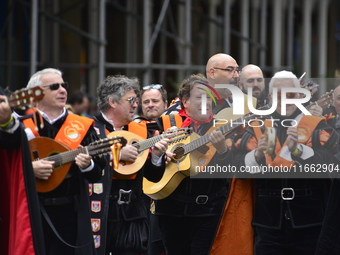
(179, 151)
(133, 143)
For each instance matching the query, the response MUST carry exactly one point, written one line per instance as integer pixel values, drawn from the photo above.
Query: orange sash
(71, 133)
(305, 127)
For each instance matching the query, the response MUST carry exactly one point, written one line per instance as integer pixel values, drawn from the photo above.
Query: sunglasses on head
(132, 100)
(56, 86)
(153, 86)
(289, 95)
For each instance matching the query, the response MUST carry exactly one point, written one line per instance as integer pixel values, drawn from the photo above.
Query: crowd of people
(87, 206)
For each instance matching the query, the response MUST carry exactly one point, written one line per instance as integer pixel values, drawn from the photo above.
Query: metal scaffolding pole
(322, 50)
(244, 59)
(227, 29)
(34, 37)
(322, 37)
(306, 37)
(290, 32)
(102, 38)
(277, 35)
(263, 33)
(146, 40)
(187, 59)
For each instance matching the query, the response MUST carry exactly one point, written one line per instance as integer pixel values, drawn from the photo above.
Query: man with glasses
(223, 69)
(65, 209)
(128, 230)
(154, 101)
(290, 204)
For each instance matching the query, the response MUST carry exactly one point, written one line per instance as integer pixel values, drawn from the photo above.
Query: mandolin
(51, 150)
(25, 97)
(142, 145)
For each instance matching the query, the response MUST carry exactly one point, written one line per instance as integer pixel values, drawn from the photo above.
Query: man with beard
(252, 77)
(288, 212)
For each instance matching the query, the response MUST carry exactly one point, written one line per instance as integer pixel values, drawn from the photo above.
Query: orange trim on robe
(235, 233)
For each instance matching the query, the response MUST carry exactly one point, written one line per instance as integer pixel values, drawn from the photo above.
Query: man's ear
(112, 102)
(211, 73)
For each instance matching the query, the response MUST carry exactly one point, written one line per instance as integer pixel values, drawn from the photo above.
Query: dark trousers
(64, 219)
(329, 241)
(188, 235)
(286, 241)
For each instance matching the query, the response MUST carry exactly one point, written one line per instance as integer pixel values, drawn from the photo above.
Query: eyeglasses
(56, 86)
(230, 70)
(132, 100)
(153, 86)
(289, 95)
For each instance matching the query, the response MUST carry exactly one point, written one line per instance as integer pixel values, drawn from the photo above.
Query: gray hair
(283, 75)
(35, 78)
(115, 87)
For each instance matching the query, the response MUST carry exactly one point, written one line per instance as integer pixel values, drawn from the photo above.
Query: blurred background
(163, 41)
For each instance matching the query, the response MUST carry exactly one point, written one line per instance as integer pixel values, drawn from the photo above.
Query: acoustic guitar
(51, 150)
(192, 155)
(143, 146)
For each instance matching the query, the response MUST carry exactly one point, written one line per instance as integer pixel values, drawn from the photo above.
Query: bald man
(252, 77)
(223, 69)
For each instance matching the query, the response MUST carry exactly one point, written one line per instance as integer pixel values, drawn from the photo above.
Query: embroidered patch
(96, 239)
(303, 131)
(72, 130)
(98, 188)
(96, 206)
(95, 223)
(90, 189)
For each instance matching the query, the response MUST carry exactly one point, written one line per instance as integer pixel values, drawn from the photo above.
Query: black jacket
(136, 209)
(75, 186)
(182, 202)
(309, 205)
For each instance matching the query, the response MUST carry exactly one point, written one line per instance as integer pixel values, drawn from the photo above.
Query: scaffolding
(163, 41)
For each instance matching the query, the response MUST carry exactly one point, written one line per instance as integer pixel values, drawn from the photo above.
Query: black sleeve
(154, 173)
(99, 161)
(11, 141)
(323, 152)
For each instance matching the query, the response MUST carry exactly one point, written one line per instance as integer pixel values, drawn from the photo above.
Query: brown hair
(187, 84)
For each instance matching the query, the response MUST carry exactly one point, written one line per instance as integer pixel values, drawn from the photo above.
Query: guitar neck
(147, 144)
(205, 138)
(66, 157)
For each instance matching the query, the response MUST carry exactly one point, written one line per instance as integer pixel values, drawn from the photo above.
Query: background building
(163, 41)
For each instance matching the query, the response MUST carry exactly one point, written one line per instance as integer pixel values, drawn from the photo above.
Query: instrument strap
(47, 218)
